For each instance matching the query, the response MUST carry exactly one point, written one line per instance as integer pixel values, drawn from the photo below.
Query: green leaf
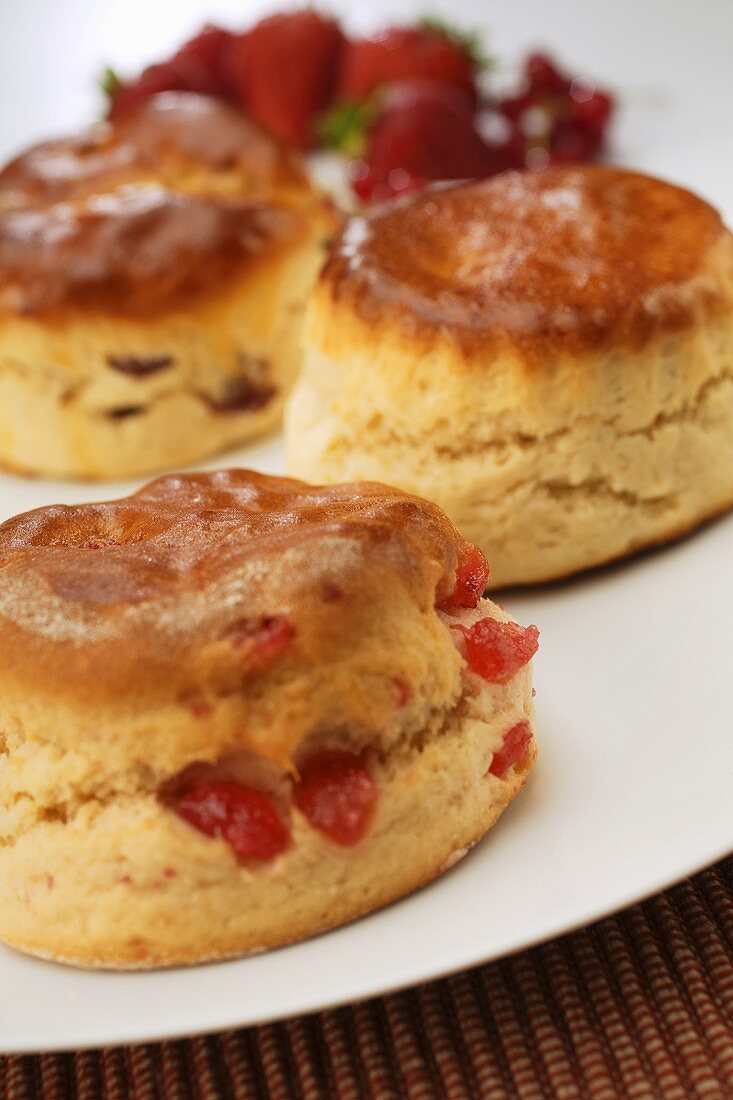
(109, 82)
(471, 42)
(346, 126)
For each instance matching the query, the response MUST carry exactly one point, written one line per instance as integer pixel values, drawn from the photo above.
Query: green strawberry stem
(469, 41)
(345, 127)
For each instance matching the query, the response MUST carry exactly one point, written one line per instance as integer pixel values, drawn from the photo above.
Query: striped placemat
(638, 1006)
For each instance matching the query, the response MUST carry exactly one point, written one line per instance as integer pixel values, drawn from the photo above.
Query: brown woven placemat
(639, 1005)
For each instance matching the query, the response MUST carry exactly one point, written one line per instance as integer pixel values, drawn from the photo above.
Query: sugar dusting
(566, 251)
(186, 551)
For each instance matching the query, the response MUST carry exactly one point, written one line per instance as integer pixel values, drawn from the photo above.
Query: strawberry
(424, 131)
(206, 52)
(404, 53)
(195, 67)
(543, 75)
(284, 70)
(555, 119)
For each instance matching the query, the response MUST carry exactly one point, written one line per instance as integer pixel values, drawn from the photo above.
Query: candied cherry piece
(513, 749)
(495, 650)
(472, 575)
(244, 817)
(337, 795)
(263, 641)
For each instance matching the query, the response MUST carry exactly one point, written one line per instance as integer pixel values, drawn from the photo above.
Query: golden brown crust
(170, 138)
(157, 601)
(142, 216)
(184, 245)
(575, 259)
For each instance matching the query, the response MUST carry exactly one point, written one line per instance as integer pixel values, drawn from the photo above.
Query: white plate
(633, 786)
(632, 790)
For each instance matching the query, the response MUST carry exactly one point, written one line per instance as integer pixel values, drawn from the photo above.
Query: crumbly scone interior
(43, 787)
(116, 879)
(107, 396)
(548, 473)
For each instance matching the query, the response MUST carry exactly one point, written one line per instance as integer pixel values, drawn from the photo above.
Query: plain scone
(153, 279)
(548, 357)
(232, 636)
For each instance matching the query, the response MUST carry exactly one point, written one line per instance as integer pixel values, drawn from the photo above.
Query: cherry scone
(153, 277)
(237, 710)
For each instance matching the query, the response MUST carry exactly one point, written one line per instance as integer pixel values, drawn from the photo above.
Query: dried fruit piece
(472, 576)
(337, 794)
(262, 641)
(513, 749)
(246, 818)
(240, 395)
(403, 691)
(496, 650)
(139, 366)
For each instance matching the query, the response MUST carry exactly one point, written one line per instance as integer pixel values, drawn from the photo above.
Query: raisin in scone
(548, 357)
(238, 710)
(153, 277)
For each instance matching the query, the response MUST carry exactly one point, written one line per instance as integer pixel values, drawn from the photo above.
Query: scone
(237, 710)
(548, 357)
(153, 276)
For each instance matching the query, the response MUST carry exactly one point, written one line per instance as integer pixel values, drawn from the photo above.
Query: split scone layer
(238, 710)
(548, 357)
(153, 278)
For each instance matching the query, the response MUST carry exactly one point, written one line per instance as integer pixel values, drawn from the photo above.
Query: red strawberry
(555, 119)
(284, 70)
(404, 53)
(543, 75)
(425, 131)
(205, 53)
(195, 67)
(126, 98)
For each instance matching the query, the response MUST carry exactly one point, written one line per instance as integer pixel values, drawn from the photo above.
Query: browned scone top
(568, 259)
(137, 217)
(240, 609)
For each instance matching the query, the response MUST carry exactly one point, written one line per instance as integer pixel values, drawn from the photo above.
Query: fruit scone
(548, 356)
(153, 277)
(237, 710)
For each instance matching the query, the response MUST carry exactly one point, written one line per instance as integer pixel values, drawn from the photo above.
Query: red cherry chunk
(472, 575)
(244, 817)
(513, 749)
(496, 651)
(263, 641)
(337, 794)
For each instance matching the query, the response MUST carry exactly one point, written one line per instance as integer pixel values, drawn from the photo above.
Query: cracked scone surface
(233, 629)
(153, 278)
(549, 357)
